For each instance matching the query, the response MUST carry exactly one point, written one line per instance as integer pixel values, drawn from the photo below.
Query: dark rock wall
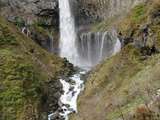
(92, 11)
(30, 10)
(40, 17)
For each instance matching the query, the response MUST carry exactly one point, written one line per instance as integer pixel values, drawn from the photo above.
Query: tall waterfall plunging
(67, 32)
(84, 50)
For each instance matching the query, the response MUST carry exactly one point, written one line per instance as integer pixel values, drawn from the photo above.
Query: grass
(122, 83)
(119, 86)
(6, 38)
(24, 74)
(138, 12)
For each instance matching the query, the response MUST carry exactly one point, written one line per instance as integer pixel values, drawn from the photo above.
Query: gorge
(79, 59)
(85, 52)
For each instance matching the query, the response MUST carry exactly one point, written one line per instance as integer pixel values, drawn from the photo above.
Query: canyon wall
(96, 10)
(30, 10)
(125, 86)
(38, 18)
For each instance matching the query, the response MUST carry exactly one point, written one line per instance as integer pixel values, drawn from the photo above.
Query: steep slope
(39, 19)
(29, 86)
(126, 86)
(93, 11)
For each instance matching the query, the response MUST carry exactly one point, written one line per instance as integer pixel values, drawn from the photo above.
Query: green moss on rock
(123, 86)
(25, 70)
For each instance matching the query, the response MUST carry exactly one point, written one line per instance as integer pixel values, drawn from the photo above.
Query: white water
(93, 47)
(67, 32)
(70, 96)
(117, 47)
(25, 31)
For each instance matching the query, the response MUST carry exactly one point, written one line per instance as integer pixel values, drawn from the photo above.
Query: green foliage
(128, 76)
(23, 74)
(19, 82)
(19, 22)
(42, 22)
(138, 12)
(41, 30)
(6, 38)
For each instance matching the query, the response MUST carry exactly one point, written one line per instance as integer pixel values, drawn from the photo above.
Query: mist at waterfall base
(84, 50)
(93, 47)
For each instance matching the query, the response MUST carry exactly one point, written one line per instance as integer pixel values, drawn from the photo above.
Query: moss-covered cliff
(126, 86)
(123, 87)
(29, 86)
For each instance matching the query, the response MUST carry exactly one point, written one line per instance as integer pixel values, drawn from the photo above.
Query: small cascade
(25, 31)
(93, 47)
(117, 47)
(51, 43)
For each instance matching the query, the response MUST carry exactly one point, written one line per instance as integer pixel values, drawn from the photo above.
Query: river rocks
(53, 93)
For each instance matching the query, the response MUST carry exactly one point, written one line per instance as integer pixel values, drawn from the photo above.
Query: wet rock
(43, 39)
(67, 105)
(71, 88)
(53, 92)
(55, 116)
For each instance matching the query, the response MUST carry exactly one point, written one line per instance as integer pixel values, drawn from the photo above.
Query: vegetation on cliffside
(126, 86)
(28, 76)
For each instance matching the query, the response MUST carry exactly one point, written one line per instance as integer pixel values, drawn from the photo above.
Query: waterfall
(93, 47)
(88, 49)
(67, 32)
(117, 47)
(85, 51)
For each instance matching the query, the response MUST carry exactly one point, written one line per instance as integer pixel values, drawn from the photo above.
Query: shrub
(19, 22)
(5, 37)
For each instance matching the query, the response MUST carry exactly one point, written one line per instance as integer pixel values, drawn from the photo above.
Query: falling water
(86, 51)
(117, 47)
(93, 47)
(68, 49)
(67, 32)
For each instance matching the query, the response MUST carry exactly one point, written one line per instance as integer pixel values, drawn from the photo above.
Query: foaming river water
(84, 51)
(71, 93)
(68, 99)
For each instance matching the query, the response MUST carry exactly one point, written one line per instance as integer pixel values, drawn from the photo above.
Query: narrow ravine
(72, 90)
(83, 54)
(68, 100)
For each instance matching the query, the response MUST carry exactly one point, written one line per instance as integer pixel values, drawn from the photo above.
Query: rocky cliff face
(30, 10)
(29, 76)
(39, 19)
(90, 11)
(126, 86)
